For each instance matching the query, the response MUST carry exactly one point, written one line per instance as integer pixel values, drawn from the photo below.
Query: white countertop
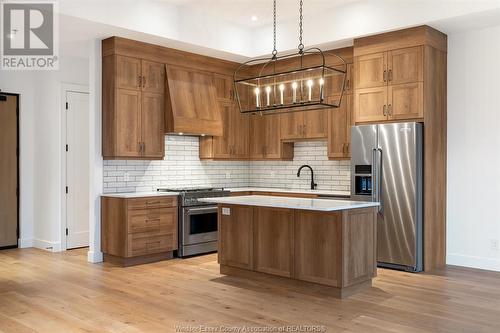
(127, 195)
(289, 190)
(325, 205)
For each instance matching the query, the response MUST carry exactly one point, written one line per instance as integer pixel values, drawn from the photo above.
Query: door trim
(18, 169)
(65, 88)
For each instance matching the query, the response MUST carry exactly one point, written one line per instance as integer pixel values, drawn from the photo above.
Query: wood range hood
(191, 102)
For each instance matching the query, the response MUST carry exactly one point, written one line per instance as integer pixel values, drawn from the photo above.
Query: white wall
(41, 147)
(473, 221)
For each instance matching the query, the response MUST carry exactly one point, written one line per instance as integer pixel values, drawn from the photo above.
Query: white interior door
(77, 169)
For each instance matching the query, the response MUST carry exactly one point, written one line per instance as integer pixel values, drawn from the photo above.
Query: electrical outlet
(228, 174)
(126, 176)
(494, 244)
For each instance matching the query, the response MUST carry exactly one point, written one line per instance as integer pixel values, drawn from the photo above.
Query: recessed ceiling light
(254, 18)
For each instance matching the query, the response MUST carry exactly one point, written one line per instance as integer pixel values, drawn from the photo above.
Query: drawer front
(151, 202)
(154, 221)
(139, 245)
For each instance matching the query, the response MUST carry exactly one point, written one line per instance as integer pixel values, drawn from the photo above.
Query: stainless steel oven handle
(201, 210)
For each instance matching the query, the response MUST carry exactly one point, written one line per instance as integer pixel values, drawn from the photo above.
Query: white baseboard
(25, 242)
(491, 264)
(46, 245)
(94, 257)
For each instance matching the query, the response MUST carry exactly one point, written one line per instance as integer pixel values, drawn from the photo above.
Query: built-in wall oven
(197, 220)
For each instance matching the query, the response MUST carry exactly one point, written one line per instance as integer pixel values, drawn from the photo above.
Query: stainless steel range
(197, 220)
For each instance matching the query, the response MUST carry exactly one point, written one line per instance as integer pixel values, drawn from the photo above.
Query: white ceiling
(224, 29)
(241, 11)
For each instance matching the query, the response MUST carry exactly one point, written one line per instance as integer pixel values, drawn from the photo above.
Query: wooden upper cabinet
(405, 65)
(370, 70)
(265, 139)
(127, 122)
(405, 101)
(133, 109)
(389, 85)
(224, 87)
(316, 124)
(370, 104)
(128, 73)
(192, 107)
(153, 77)
(339, 130)
(153, 136)
(233, 143)
(304, 125)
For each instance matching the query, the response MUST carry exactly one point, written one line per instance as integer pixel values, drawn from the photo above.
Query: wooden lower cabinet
(318, 248)
(273, 241)
(138, 230)
(236, 237)
(335, 249)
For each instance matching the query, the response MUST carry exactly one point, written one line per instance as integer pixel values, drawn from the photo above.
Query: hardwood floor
(61, 292)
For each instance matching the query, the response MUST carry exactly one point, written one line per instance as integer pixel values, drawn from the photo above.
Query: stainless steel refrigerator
(386, 166)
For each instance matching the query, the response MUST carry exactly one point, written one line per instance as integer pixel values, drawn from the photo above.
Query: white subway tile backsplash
(182, 167)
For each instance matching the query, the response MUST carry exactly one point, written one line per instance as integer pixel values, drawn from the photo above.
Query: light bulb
(257, 91)
(321, 81)
(268, 89)
(294, 95)
(282, 88)
(294, 85)
(309, 83)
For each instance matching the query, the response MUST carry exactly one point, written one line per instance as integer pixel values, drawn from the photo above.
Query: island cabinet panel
(359, 246)
(318, 247)
(273, 241)
(236, 236)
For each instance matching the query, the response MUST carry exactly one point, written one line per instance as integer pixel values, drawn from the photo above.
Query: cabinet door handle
(139, 80)
(347, 85)
(304, 130)
(347, 148)
(385, 76)
(385, 110)
(144, 82)
(390, 75)
(389, 110)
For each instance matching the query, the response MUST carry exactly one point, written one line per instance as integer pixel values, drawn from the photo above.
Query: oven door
(199, 225)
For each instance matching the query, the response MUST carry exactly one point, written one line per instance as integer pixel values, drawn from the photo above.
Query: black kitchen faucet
(313, 184)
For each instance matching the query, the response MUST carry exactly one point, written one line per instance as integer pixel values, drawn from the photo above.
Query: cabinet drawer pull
(152, 203)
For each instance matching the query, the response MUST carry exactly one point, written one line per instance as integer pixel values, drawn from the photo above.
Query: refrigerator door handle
(374, 175)
(379, 179)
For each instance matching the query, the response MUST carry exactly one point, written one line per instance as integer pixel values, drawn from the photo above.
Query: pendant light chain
(301, 18)
(275, 51)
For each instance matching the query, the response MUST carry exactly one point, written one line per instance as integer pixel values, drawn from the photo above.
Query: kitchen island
(311, 242)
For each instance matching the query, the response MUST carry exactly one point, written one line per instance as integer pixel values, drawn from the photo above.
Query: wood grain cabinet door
(257, 137)
(128, 73)
(315, 124)
(405, 65)
(339, 129)
(224, 87)
(406, 101)
(221, 144)
(292, 125)
(153, 134)
(239, 125)
(370, 104)
(128, 123)
(370, 70)
(273, 146)
(273, 241)
(153, 77)
(318, 247)
(236, 237)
